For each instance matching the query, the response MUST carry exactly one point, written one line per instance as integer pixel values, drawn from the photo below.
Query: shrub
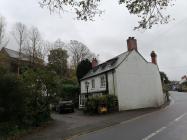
(93, 103)
(12, 103)
(24, 100)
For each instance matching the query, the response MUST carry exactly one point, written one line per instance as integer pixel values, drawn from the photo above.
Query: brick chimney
(153, 57)
(94, 62)
(131, 44)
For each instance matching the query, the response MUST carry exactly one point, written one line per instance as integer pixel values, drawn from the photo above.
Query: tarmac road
(169, 123)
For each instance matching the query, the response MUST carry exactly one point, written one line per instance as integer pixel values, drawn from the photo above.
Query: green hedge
(24, 100)
(93, 104)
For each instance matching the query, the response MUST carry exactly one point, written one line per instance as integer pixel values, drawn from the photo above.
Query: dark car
(65, 106)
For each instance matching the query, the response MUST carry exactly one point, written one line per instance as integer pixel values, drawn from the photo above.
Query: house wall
(97, 88)
(111, 82)
(4, 60)
(138, 83)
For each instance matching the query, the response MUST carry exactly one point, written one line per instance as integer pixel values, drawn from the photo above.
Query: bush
(93, 104)
(68, 91)
(24, 100)
(12, 103)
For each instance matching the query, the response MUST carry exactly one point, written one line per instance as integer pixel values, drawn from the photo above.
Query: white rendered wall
(111, 82)
(97, 88)
(138, 84)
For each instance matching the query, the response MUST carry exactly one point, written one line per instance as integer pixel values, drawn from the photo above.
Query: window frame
(93, 83)
(102, 81)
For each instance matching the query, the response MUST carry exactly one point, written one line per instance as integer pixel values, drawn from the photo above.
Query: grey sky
(107, 35)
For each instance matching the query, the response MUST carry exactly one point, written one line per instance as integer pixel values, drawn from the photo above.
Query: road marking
(121, 123)
(180, 117)
(164, 127)
(154, 133)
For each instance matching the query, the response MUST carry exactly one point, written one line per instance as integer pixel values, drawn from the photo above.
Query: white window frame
(93, 83)
(102, 81)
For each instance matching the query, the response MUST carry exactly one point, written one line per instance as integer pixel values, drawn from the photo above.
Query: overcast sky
(107, 35)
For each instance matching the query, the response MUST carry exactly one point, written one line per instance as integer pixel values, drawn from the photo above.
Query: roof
(14, 54)
(107, 65)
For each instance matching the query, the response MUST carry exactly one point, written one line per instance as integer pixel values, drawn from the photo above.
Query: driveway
(67, 125)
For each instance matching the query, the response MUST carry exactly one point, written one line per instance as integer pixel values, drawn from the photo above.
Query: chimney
(94, 62)
(153, 57)
(131, 44)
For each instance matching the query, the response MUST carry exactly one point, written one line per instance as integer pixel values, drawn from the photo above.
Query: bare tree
(46, 46)
(3, 39)
(78, 52)
(33, 45)
(59, 44)
(20, 35)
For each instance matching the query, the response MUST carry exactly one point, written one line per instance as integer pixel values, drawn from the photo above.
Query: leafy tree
(57, 61)
(83, 68)
(150, 12)
(12, 103)
(41, 89)
(164, 78)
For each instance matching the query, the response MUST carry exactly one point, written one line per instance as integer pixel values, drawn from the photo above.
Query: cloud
(107, 35)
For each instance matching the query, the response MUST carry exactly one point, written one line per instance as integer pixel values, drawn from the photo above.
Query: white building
(135, 81)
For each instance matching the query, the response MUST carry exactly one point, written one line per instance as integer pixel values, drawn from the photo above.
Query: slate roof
(107, 65)
(15, 54)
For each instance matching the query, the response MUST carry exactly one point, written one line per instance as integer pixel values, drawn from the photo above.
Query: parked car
(65, 106)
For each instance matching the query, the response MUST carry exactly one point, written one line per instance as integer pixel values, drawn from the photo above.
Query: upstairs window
(103, 81)
(93, 83)
(86, 85)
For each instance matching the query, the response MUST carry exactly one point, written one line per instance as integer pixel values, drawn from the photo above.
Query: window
(86, 85)
(103, 81)
(93, 83)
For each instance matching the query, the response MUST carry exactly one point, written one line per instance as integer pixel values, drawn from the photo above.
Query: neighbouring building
(135, 81)
(11, 58)
(183, 84)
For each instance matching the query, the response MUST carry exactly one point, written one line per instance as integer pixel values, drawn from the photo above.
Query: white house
(135, 81)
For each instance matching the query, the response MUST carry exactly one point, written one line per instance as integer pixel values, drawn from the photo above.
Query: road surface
(169, 123)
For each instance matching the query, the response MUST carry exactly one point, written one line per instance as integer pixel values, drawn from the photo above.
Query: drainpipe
(113, 82)
(107, 90)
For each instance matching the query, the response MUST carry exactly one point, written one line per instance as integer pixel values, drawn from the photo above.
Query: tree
(41, 88)
(150, 12)
(45, 48)
(59, 44)
(33, 46)
(83, 68)
(78, 52)
(20, 35)
(57, 60)
(164, 78)
(3, 39)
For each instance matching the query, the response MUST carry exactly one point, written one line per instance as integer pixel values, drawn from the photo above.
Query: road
(169, 123)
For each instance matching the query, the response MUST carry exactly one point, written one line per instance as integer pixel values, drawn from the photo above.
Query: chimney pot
(94, 62)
